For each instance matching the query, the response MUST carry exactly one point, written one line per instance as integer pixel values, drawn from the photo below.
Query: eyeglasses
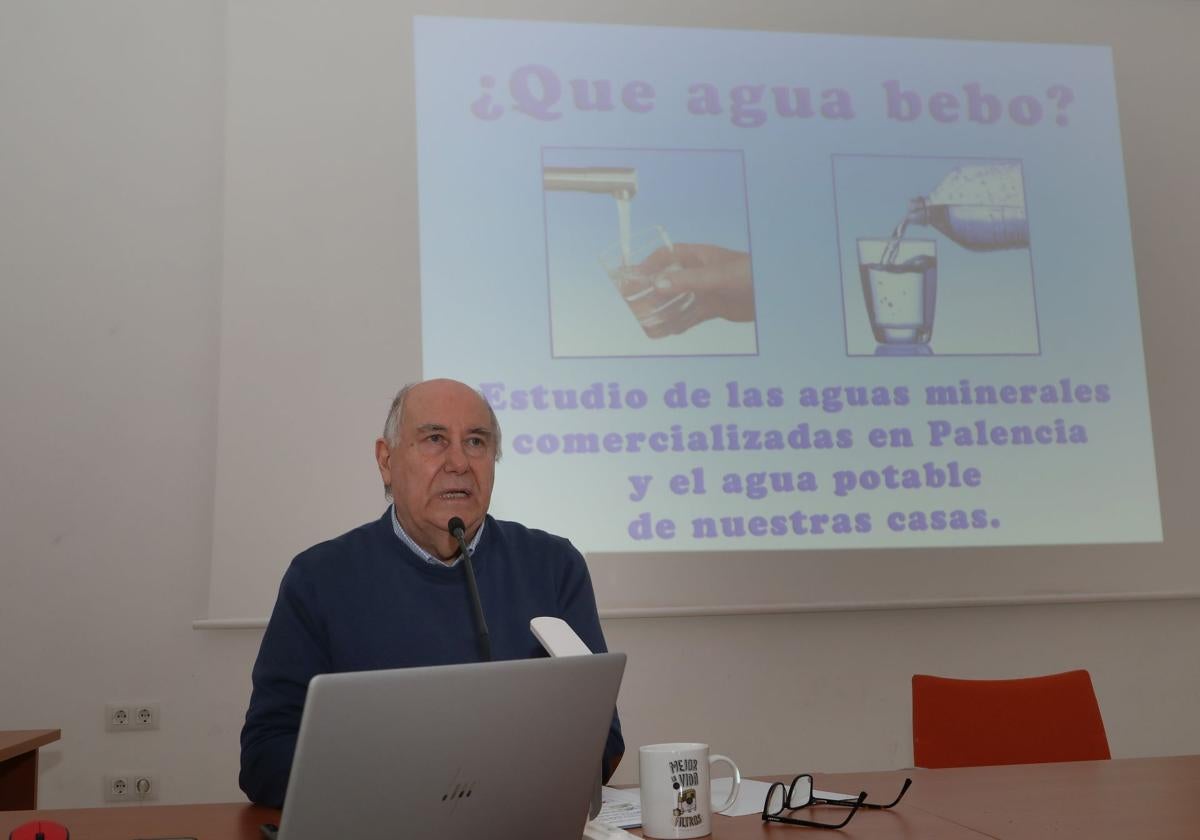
(799, 794)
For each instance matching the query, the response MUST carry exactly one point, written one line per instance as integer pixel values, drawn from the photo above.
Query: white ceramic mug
(676, 785)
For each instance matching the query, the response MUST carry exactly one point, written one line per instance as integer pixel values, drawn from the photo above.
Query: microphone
(458, 530)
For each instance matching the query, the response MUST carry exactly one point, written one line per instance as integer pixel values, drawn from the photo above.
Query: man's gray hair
(391, 428)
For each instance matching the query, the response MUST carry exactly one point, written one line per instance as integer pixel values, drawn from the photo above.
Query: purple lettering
(483, 107)
(1063, 96)
(835, 104)
(903, 105)
(792, 102)
(982, 107)
(638, 97)
(703, 99)
(535, 90)
(943, 107)
(585, 101)
(1025, 110)
(743, 96)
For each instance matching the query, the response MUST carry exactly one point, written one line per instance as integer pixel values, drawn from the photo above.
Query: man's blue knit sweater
(364, 601)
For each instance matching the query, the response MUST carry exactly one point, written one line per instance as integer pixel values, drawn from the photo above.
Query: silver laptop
(495, 750)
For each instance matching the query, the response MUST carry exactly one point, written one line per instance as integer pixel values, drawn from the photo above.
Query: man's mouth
(451, 495)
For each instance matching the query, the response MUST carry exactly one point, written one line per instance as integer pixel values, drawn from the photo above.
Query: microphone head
(456, 527)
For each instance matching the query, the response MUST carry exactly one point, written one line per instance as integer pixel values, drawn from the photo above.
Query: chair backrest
(968, 723)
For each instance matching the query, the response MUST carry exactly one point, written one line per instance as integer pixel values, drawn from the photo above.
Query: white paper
(596, 830)
(750, 798)
(621, 807)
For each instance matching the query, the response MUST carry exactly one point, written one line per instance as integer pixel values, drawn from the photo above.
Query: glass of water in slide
(637, 268)
(900, 288)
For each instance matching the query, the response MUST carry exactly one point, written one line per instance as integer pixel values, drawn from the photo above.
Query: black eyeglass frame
(862, 803)
(786, 805)
(853, 804)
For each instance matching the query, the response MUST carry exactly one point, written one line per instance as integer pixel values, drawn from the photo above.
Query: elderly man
(391, 593)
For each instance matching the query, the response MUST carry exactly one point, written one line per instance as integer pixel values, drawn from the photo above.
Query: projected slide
(735, 290)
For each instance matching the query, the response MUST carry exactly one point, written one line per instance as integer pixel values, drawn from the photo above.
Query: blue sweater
(364, 601)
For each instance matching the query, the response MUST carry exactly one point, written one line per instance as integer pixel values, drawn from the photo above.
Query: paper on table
(752, 794)
(621, 807)
(750, 798)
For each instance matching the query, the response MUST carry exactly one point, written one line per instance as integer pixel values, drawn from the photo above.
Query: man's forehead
(448, 405)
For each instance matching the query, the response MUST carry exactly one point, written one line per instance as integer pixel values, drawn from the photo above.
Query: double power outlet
(130, 787)
(130, 717)
(127, 717)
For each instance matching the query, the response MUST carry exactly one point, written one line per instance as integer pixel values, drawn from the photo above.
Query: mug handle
(737, 781)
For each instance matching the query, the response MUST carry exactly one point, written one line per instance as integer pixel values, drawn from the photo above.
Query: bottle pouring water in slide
(978, 206)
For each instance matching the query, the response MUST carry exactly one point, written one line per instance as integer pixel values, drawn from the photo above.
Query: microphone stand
(458, 530)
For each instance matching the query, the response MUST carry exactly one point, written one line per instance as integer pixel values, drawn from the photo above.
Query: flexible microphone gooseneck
(458, 530)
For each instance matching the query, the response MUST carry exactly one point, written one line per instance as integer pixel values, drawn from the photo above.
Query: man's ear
(383, 458)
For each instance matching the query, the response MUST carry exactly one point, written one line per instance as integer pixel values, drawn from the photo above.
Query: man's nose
(456, 459)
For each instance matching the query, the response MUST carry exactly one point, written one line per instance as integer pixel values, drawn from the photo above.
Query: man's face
(443, 465)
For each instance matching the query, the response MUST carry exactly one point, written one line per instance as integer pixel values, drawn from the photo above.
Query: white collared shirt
(425, 555)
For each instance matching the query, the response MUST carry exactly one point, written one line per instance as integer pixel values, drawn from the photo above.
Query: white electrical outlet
(145, 787)
(130, 787)
(145, 716)
(116, 788)
(116, 718)
(126, 717)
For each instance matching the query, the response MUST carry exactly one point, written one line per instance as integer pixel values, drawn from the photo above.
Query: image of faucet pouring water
(658, 314)
(668, 287)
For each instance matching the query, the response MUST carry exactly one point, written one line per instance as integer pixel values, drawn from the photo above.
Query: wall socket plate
(130, 787)
(127, 717)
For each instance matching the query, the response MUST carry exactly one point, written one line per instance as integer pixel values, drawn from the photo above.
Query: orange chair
(967, 723)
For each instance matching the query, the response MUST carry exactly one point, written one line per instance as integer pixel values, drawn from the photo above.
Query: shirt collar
(425, 555)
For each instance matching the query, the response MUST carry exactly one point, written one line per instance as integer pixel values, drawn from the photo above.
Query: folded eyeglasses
(799, 794)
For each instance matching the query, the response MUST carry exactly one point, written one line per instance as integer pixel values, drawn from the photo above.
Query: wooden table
(1142, 798)
(19, 766)
(1146, 799)
(226, 821)
(1139, 799)
(900, 823)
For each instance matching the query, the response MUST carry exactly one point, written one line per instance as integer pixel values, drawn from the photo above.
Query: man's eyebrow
(438, 427)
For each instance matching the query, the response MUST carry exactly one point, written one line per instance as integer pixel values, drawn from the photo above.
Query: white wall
(111, 171)
(111, 132)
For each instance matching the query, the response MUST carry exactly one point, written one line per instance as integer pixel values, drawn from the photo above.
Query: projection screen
(771, 319)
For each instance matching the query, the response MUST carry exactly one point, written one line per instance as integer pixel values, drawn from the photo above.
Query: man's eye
(435, 438)
(477, 441)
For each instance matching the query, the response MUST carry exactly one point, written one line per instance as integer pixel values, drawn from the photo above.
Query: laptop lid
(454, 752)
